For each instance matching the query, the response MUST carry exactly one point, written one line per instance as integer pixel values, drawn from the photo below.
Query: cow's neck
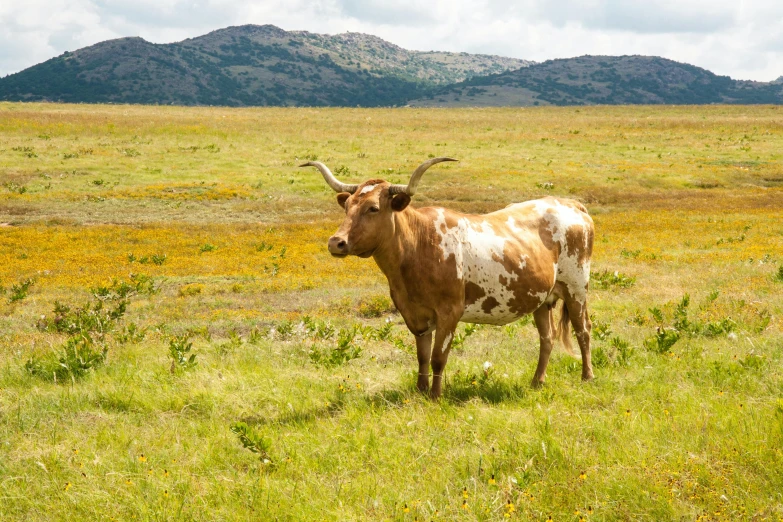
(397, 256)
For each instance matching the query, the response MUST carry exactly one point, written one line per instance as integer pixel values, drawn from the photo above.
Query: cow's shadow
(457, 391)
(491, 391)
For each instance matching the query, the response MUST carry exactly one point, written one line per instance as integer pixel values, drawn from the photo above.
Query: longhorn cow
(445, 267)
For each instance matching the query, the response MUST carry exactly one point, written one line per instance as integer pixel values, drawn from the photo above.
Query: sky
(738, 38)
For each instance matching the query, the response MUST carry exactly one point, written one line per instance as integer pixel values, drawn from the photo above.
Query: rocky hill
(612, 80)
(248, 65)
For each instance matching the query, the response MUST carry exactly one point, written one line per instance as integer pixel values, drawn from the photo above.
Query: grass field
(134, 238)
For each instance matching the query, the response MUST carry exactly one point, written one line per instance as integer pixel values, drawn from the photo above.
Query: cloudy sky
(742, 39)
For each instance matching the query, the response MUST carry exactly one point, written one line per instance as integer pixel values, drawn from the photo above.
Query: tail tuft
(564, 331)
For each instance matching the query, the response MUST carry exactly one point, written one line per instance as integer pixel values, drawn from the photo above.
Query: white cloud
(741, 39)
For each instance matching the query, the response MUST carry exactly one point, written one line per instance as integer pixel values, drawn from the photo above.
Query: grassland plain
(683, 422)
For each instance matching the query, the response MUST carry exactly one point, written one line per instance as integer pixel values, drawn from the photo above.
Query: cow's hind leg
(543, 319)
(580, 320)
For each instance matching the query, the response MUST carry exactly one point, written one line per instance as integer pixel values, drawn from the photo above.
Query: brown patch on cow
(575, 242)
(488, 304)
(473, 293)
(545, 233)
(579, 242)
(536, 277)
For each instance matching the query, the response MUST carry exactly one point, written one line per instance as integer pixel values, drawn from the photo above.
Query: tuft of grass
(607, 280)
(375, 306)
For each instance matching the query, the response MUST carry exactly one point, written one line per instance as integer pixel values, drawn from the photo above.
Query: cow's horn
(333, 182)
(410, 188)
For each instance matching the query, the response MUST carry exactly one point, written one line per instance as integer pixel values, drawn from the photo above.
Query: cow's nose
(338, 245)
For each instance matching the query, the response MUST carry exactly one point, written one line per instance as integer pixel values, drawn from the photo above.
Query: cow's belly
(480, 317)
(499, 304)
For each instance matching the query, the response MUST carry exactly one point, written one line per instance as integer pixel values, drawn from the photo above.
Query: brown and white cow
(444, 267)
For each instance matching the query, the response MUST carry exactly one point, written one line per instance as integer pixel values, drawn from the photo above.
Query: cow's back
(508, 261)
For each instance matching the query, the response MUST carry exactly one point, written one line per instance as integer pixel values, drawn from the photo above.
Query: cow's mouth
(365, 254)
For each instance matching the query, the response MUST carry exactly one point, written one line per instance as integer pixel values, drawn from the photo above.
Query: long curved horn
(410, 188)
(333, 182)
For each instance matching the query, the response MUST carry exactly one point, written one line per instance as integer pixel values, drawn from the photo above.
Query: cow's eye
(373, 210)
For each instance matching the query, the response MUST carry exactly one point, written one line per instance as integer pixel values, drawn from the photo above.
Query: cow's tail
(564, 330)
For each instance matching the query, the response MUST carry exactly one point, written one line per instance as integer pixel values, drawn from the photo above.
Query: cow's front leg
(423, 353)
(440, 354)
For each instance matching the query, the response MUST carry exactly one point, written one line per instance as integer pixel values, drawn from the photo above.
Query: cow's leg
(543, 319)
(444, 334)
(580, 320)
(423, 353)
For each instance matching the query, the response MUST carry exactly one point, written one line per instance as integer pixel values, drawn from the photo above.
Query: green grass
(308, 353)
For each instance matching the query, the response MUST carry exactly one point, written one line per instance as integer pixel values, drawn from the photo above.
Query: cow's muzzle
(338, 246)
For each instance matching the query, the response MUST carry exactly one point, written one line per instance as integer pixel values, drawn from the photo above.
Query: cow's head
(369, 209)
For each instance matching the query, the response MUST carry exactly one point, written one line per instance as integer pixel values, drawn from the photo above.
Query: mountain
(248, 65)
(590, 80)
(254, 65)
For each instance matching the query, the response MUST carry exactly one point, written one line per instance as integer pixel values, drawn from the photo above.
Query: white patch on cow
(541, 296)
(478, 252)
(446, 341)
(368, 188)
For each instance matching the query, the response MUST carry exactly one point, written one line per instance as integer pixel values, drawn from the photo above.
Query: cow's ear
(400, 201)
(342, 197)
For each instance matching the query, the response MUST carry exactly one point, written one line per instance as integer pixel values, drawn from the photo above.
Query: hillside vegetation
(176, 343)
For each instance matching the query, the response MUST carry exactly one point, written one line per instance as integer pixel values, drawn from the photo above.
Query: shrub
(623, 351)
(662, 341)
(79, 355)
(19, 290)
(252, 441)
(459, 338)
(599, 357)
(601, 330)
(179, 352)
(341, 354)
